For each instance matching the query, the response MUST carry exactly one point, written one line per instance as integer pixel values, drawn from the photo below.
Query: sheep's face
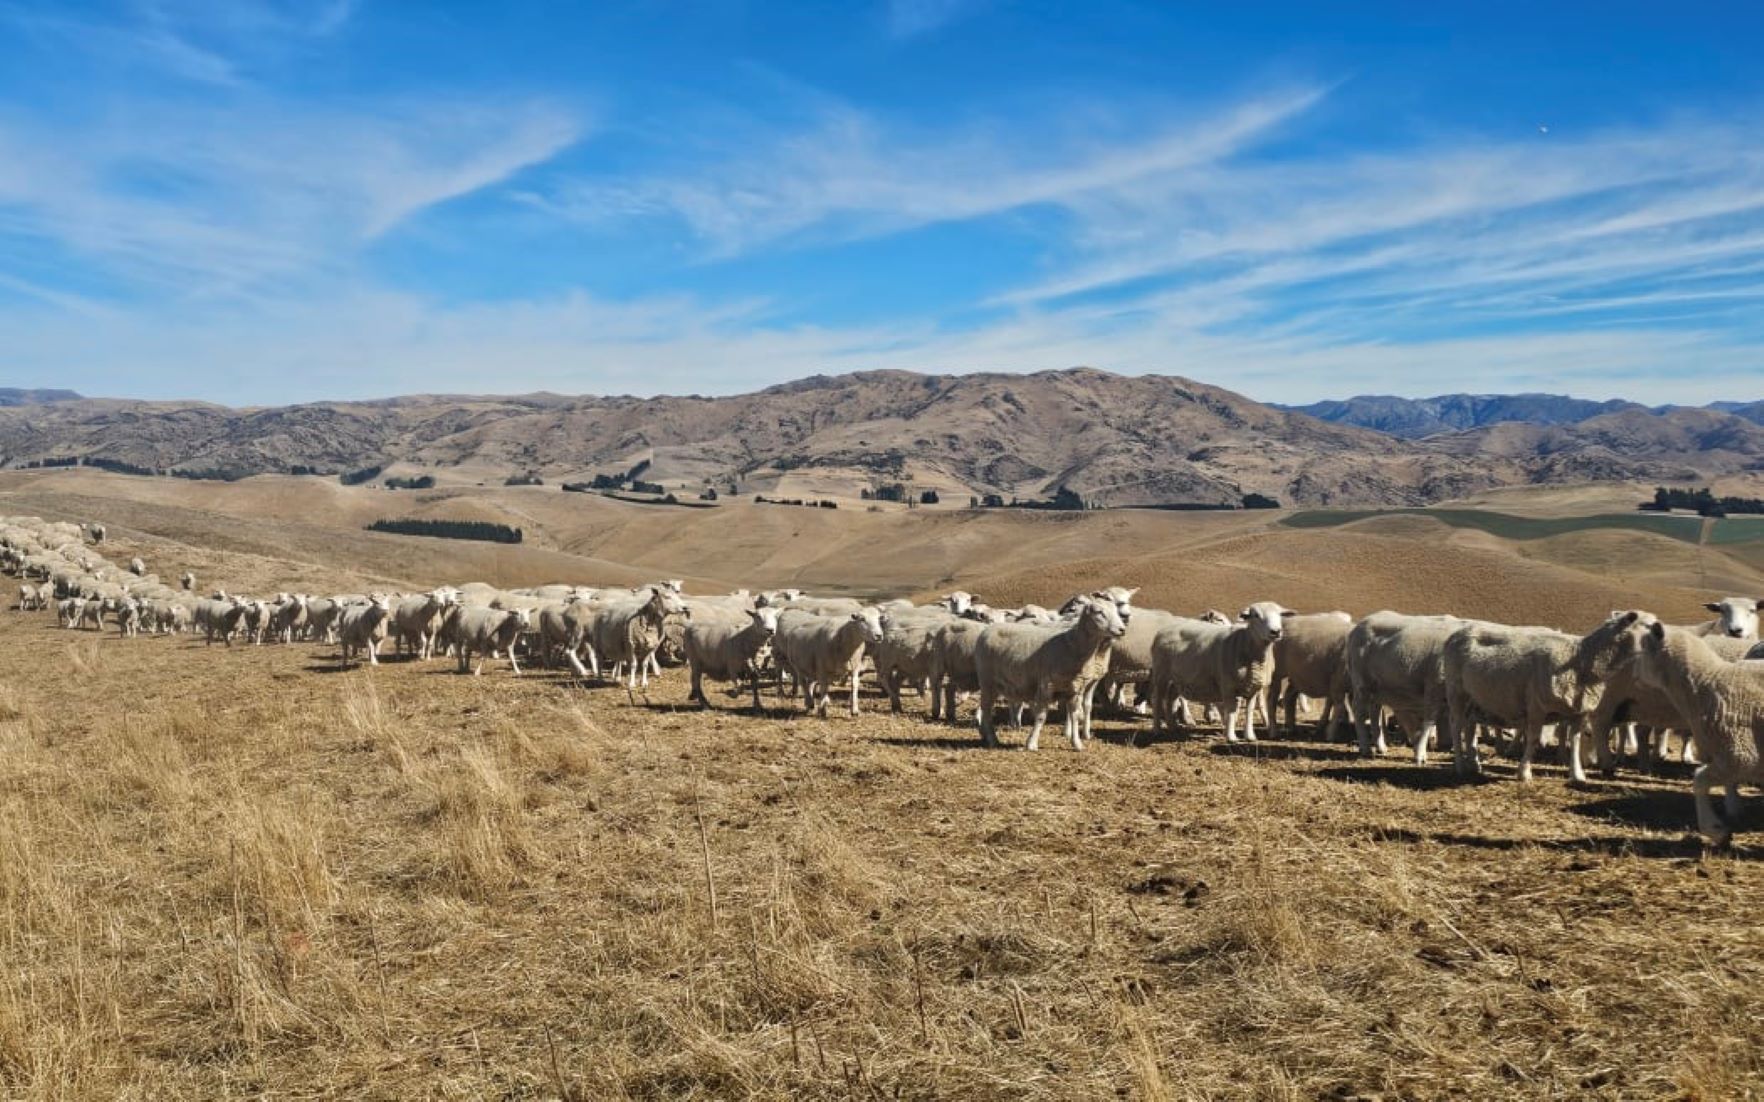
(1121, 598)
(1737, 617)
(381, 601)
(766, 620)
(1104, 616)
(1650, 653)
(958, 602)
(1266, 620)
(872, 620)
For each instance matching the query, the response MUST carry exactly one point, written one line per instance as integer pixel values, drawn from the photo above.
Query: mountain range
(1116, 440)
(1414, 418)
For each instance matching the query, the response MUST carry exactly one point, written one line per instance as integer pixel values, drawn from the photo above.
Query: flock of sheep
(1427, 676)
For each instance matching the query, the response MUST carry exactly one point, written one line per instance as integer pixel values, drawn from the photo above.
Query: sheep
(92, 615)
(95, 532)
(727, 649)
(485, 632)
(1310, 659)
(68, 609)
(629, 632)
(1226, 664)
(416, 621)
(256, 621)
(127, 617)
(137, 567)
(952, 664)
(906, 648)
(825, 606)
(1130, 656)
(818, 650)
(1041, 665)
(363, 627)
(563, 630)
(1031, 614)
(1722, 702)
(1627, 701)
(188, 581)
(1526, 677)
(322, 614)
(29, 599)
(288, 617)
(1735, 617)
(1394, 661)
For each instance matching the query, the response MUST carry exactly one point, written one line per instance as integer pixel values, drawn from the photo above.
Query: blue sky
(258, 201)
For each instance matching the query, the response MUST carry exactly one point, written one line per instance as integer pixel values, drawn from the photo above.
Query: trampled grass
(1507, 525)
(225, 872)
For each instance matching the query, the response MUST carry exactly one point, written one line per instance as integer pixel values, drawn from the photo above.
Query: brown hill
(1114, 439)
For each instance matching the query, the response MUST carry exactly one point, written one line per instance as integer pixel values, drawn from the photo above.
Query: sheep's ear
(1132, 592)
(1628, 618)
(1713, 606)
(1244, 615)
(1287, 612)
(1657, 630)
(857, 616)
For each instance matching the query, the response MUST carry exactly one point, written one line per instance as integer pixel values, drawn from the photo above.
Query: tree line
(450, 529)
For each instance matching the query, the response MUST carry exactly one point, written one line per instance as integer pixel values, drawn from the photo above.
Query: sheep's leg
(575, 663)
(1533, 735)
(1074, 722)
(1711, 826)
(512, 664)
(1249, 717)
(1576, 767)
(1231, 722)
(1689, 753)
(373, 649)
(988, 732)
(1034, 742)
(1731, 804)
(854, 692)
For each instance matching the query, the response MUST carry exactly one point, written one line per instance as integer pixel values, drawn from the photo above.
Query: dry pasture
(235, 872)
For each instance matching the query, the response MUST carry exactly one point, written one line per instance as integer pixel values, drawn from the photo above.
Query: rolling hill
(1116, 440)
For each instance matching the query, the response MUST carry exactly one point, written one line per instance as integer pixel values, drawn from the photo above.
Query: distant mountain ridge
(1415, 418)
(1115, 440)
(13, 396)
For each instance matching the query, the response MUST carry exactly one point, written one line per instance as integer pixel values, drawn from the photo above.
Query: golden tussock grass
(225, 872)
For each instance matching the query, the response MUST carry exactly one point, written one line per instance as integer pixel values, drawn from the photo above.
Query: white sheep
(628, 632)
(818, 650)
(1723, 703)
(363, 628)
(1224, 664)
(1394, 662)
(728, 649)
(1041, 665)
(485, 633)
(1310, 659)
(1524, 678)
(905, 651)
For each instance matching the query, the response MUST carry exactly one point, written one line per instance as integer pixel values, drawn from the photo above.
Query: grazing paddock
(1509, 526)
(241, 873)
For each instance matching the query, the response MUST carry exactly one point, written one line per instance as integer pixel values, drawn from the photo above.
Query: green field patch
(1508, 526)
(1738, 530)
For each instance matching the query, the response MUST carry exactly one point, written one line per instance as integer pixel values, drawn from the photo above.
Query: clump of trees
(420, 482)
(450, 529)
(356, 478)
(1702, 501)
(523, 480)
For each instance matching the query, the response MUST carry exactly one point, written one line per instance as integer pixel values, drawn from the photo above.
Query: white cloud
(847, 176)
(908, 18)
(219, 199)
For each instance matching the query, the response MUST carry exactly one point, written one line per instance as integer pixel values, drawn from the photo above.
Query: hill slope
(1114, 439)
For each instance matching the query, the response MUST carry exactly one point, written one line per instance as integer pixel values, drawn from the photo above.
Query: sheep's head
(1213, 616)
(1652, 640)
(766, 620)
(1737, 617)
(1266, 620)
(380, 601)
(872, 620)
(958, 602)
(1102, 614)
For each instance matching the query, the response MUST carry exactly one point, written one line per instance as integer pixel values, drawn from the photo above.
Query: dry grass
(401, 883)
(234, 872)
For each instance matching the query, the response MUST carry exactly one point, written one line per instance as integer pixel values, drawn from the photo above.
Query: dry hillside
(1113, 439)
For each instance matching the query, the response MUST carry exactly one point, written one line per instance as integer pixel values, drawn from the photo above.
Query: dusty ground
(239, 873)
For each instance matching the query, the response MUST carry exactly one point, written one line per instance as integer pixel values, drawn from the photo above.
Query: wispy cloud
(847, 176)
(907, 18)
(199, 198)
